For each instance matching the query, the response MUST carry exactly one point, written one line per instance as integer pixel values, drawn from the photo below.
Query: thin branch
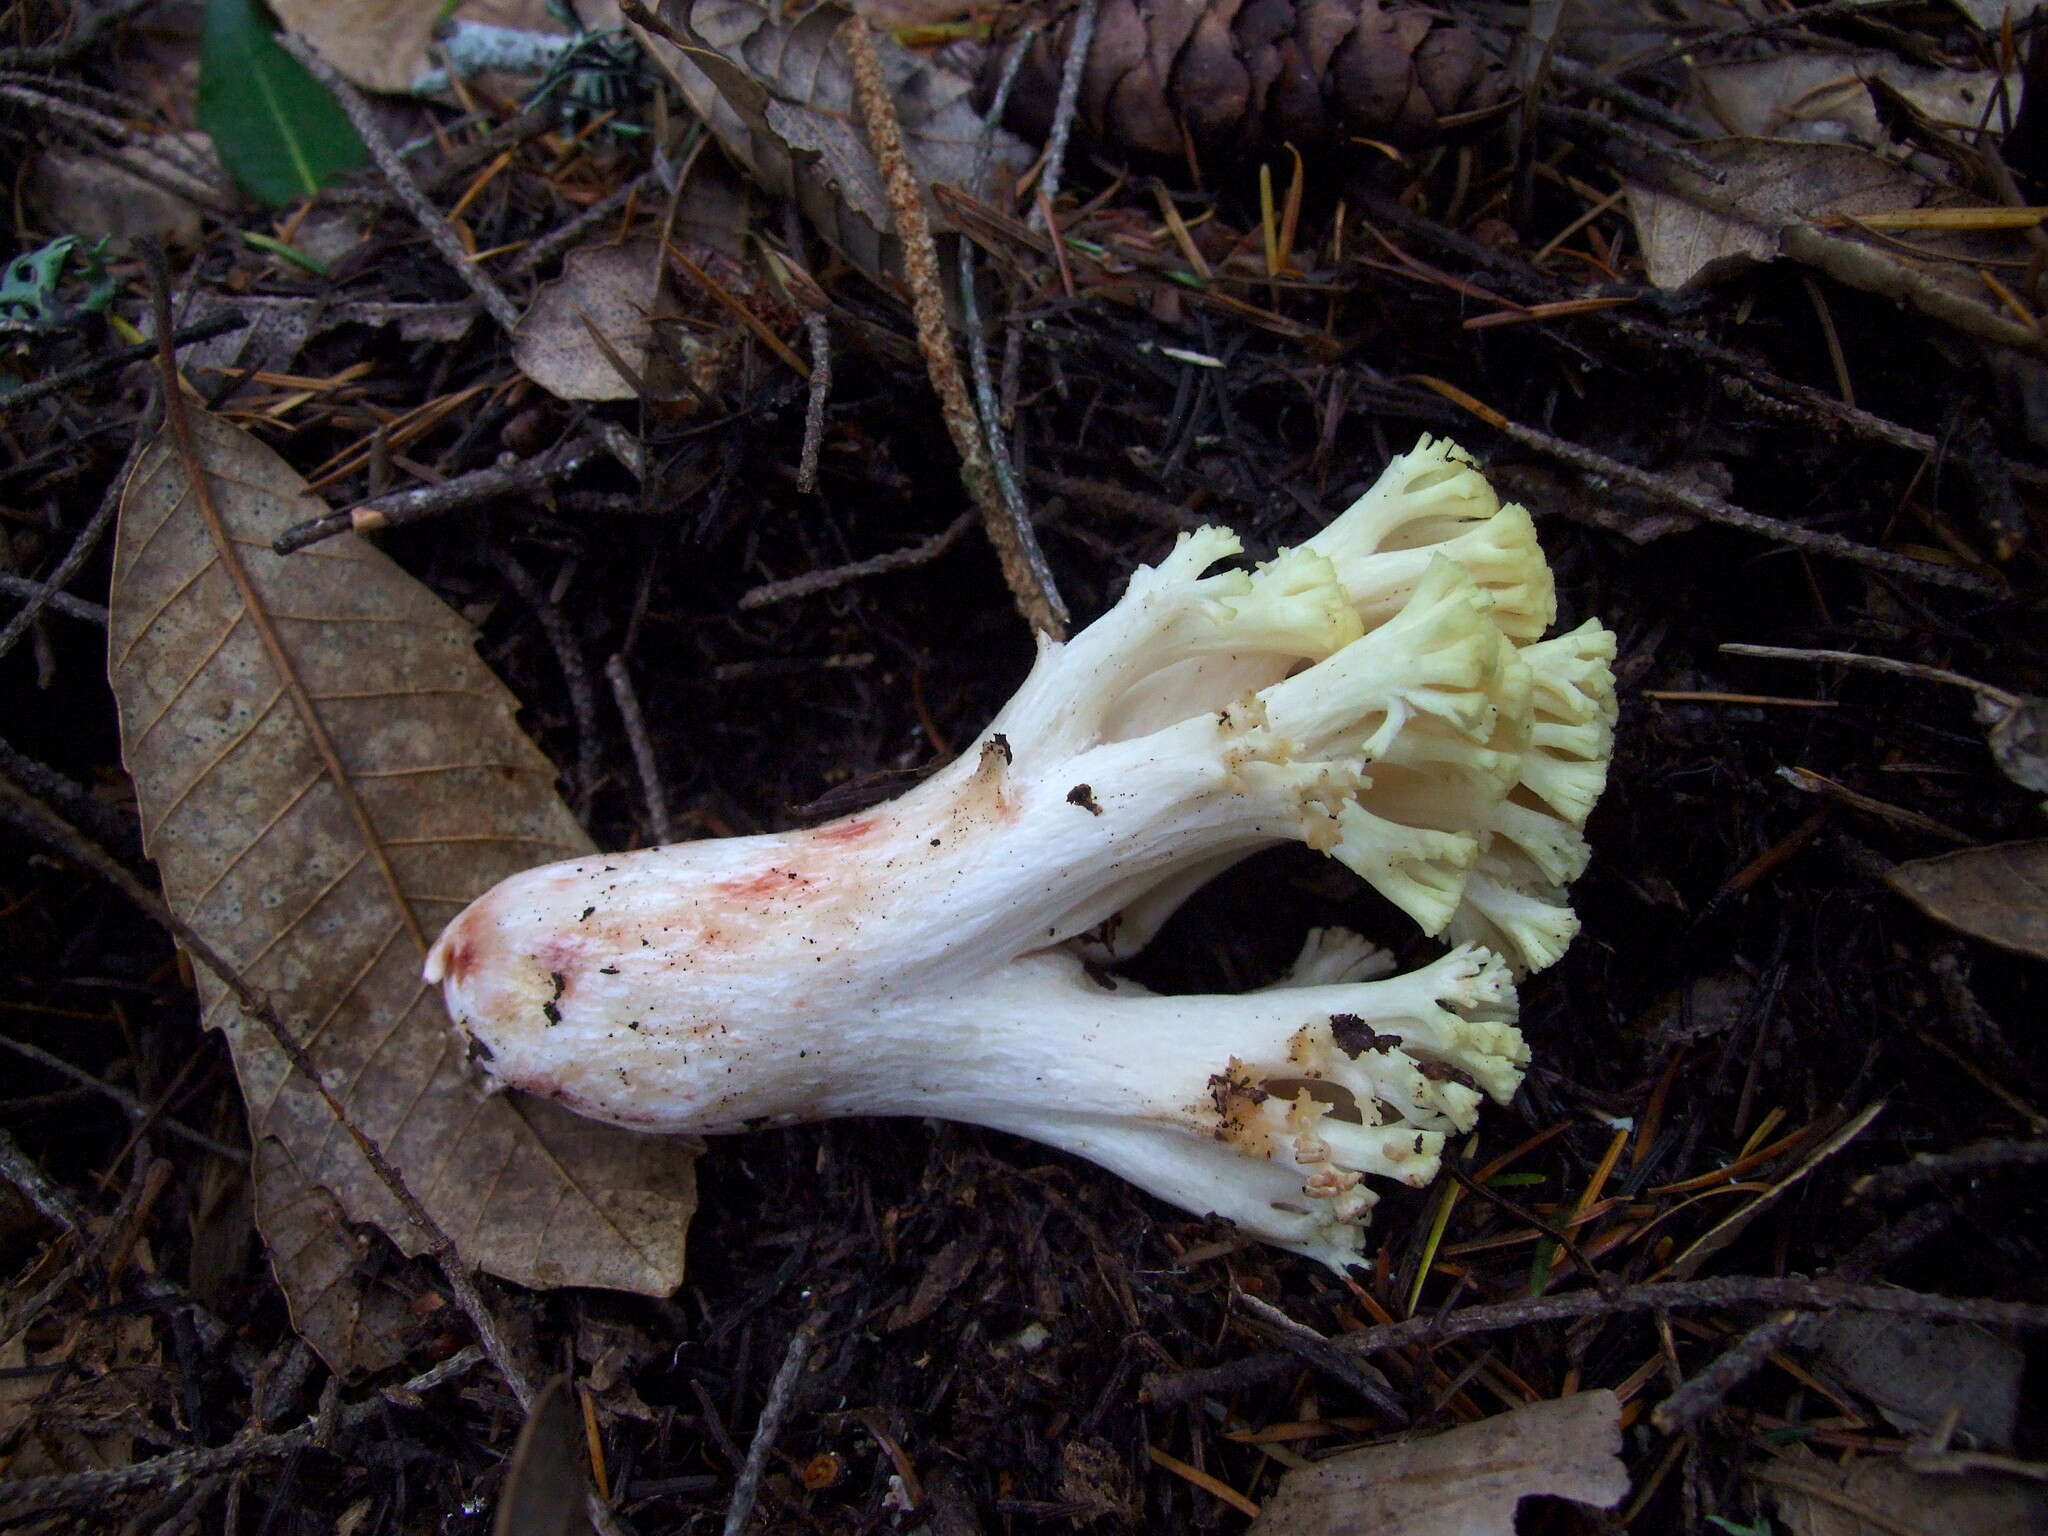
(1938, 1168)
(83, 36)
(1830, 10)
(136, 1110)
(781, 1395)
(1584, 77)
(120, 357)
(1014, 505)
(1714, 510)
(80, 551)
(1065, 108)
(1015, 543)
(59, 602)
(569, 656)
(819, 333)
(1702, 1393)
(839, 575)
(35, 1186)
(495, 482)
(644, 760)
(1166, 1391)
(1879, 664)
(25, 1495)
(572, 231)
(87, 1245)
(1316, 1349)
(433, 224)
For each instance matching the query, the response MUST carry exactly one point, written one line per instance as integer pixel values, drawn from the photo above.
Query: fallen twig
(60, 602)
(34, 1186)
(1016, 544)
(1940, 1167)
(1828, 10)
(25, 1495)
(569, 656)
(1869, 663)
(120, 357)
(824, 581)
(88, 1240)
(433, 224)
(1072, 67)
(90, 24)
(1594, 82)
(133, 1107)
(1169, 1390)
(1715, 510)
(81, 547)
(1316, 1349)
(644, 761)
(781, 1394)
(1700, 1394)
(494, 482)
(572, 231)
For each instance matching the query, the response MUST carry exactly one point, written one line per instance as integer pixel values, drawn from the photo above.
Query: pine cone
(1243, 77)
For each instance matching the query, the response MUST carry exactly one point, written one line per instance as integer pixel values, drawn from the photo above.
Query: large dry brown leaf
(778, 95)
(326, 774)
(1998, 894)
(1465, 1482)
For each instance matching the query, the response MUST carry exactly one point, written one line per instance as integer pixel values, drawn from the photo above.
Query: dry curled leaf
(326, 773)
(1698, 232)
(163, 188)
(593, 317)
(1824, 96)
(1922, 1375)
(1807, 202)
(1877, 1496)
(1465, 1482)
(1998, 894)
(545, 1480)
(776, 89)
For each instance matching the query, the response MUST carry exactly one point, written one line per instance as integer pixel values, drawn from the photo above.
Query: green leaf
(279, 133)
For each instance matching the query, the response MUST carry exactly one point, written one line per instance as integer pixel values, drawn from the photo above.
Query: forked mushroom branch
(1379, 692)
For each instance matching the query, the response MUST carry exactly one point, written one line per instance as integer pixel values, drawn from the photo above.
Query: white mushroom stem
(1371, 694)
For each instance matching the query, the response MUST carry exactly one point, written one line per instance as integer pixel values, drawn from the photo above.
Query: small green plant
(56, 283)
